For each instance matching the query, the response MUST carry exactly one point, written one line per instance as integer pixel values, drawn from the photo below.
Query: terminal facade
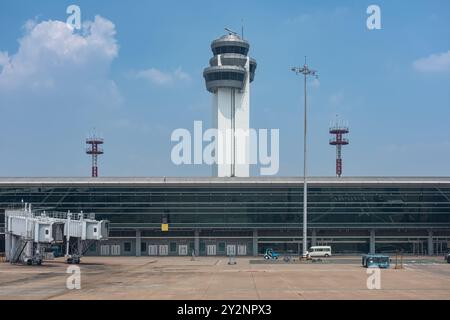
(245, 216)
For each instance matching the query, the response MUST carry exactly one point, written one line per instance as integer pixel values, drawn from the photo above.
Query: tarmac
(213, 278)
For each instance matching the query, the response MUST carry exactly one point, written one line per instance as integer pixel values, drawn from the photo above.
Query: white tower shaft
(232, 119)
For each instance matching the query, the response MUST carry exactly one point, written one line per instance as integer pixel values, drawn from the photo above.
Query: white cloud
(30, 24)
(181, 75)
(158, 77)
(53, 61)
(439, 62)
(4, 59)
(155, 76)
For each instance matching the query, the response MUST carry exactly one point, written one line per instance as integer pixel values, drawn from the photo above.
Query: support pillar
(80, 246)
(197, 242)
(430, 243)
(7, 238)
(255, 243)
(372, 242)
(13, 246)
(29, 249)
(7, 244)
(313, 237)
(138, 243)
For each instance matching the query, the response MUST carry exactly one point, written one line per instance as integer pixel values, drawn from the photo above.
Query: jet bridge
(28, 233)
(78, 226)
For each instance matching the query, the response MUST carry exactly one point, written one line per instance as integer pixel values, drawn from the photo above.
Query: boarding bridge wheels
(73, 259)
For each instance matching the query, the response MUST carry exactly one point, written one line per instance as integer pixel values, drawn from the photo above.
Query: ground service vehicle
(319, 251)
(271, 255)
(375, 261)
(57, 251)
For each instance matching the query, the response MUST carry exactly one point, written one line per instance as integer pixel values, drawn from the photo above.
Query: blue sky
(135, 75)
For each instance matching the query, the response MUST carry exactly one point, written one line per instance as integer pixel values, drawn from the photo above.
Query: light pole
(306, 72)
(69, 216)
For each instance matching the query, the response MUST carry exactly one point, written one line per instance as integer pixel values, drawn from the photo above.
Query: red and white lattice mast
(338, 130)
(94, 149)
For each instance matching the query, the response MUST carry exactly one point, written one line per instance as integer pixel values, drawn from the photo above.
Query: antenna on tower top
(231, 31)
(338, 130)
(242, 28)
(94, 150)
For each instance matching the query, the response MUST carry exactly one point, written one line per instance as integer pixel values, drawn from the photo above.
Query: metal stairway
(22, 243)
(85, 245)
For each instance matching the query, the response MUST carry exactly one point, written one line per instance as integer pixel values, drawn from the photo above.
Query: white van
(320, 251)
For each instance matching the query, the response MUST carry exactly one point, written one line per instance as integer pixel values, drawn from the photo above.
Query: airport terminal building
(234, 214)
(244, 216)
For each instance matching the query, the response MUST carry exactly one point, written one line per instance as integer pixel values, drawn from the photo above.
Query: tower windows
(224, 75)
(230, 49)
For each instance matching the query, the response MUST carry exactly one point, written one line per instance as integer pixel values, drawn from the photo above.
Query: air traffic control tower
(228, 78)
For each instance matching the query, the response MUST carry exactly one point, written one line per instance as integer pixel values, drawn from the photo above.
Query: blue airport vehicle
(375, 261)
(271, 255)
(57, 251)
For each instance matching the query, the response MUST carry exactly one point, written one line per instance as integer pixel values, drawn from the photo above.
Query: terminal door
(163, 249)
(231, 249)
(183, 250)
(104, 250)
(115, 250)
(242, 250)
(153, 250)
(211, 250)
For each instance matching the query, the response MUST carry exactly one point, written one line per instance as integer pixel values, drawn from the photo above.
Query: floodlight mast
(306, 72)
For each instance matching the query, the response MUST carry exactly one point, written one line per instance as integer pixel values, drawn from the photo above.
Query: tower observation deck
(228, 78)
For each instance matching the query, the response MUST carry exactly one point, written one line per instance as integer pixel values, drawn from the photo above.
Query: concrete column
(255, 243)
(313, 237)
(430, 243)
(79, 246)
(138, 243)
(372, 241)
(197, 242)
(13, 246)
(7, 245)
(29, 249)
